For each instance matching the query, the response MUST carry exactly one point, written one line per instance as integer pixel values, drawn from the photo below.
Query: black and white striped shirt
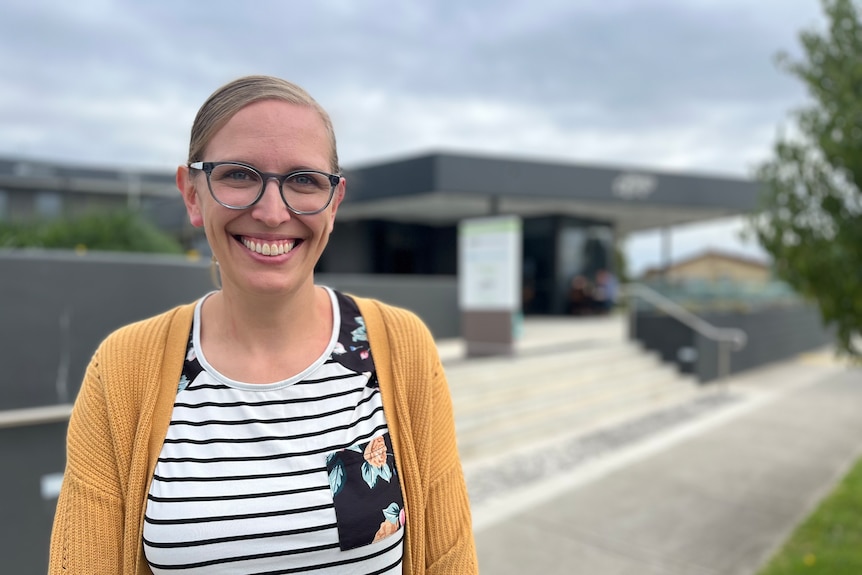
(291, 477)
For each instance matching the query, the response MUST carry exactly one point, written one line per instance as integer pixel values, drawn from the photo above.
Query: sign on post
(489, 283)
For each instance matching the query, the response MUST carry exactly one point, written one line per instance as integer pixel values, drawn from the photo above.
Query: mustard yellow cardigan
(124, 407)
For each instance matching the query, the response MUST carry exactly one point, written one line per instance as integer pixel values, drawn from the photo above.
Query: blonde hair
(221, 106)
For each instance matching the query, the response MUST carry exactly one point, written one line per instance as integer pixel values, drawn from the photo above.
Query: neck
(255, 322)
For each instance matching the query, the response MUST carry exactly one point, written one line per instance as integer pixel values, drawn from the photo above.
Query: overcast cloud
(666, 84)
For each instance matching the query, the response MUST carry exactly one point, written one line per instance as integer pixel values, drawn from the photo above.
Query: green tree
(811, 218)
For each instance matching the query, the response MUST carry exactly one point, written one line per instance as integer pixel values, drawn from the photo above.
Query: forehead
(272, 131)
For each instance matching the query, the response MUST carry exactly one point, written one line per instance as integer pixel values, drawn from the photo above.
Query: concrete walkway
(713, 488)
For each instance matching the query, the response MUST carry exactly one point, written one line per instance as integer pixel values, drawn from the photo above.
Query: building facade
(401, 217)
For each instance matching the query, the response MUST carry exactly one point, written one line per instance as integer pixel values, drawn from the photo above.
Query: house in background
(713, 266)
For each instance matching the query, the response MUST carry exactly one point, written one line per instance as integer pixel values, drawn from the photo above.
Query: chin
(276, 284)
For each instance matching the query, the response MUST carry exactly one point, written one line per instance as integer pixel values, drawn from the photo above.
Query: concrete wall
(350, 248)
(56, 308)
(32, 455)
(773, 334)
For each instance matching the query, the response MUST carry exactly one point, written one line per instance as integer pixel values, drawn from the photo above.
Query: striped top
(296, 476)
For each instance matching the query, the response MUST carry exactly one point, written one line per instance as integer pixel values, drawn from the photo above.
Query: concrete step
(542, 333)
(517, 427)
(546, 393)
(504, 404)
(516, 378)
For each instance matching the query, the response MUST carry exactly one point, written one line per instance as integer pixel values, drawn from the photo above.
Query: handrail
(728, 338)
(34, 415)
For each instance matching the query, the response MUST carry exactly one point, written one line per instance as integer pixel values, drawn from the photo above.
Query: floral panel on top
(366, 492)
(363, 479)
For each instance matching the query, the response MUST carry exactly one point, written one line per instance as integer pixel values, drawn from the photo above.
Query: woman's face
(277, 137)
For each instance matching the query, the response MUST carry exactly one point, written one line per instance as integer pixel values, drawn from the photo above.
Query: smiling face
(265, 249)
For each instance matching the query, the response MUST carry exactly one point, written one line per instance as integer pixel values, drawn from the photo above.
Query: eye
(303, 179)
(235, 175)
(308, 181)
(238, 175)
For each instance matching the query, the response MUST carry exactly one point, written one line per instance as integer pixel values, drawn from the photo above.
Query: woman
(274, 426)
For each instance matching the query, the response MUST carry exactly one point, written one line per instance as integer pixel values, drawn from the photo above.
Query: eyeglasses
(240, 186)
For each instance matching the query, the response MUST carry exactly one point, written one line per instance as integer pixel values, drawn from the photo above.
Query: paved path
(712, 489)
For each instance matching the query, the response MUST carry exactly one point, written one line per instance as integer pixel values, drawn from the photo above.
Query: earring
(214, 273)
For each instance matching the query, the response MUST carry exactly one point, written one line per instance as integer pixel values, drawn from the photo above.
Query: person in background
(274, 425)
(605, 291)
(580, 296)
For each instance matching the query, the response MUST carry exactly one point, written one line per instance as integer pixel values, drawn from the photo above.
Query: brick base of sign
(488, 333)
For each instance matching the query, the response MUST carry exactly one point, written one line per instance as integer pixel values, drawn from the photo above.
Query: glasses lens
(235, 185)
(307, 191)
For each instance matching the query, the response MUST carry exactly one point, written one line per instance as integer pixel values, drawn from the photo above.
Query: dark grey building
(400, 217)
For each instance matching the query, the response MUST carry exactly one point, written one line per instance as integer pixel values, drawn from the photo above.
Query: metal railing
(34, 415)
(728, 339)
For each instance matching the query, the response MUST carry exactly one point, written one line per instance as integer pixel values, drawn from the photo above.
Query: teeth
(275, 249)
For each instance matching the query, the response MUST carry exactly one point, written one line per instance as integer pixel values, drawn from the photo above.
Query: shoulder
(396, 321)
(124, 375)
(397, 333)
(148, 336)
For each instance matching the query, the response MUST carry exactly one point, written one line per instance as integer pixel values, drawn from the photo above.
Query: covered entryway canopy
(442, 188)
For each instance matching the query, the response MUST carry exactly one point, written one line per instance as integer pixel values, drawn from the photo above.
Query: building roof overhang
(441, 189)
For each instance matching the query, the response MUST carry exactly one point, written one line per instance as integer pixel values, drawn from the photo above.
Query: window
(48, 204)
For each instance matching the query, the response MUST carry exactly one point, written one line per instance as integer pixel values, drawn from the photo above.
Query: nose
(270, 209)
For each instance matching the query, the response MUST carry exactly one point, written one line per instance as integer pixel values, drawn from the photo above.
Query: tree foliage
(811, 218)
(122, 231)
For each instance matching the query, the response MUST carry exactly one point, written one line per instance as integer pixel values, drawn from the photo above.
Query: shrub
(123, 231)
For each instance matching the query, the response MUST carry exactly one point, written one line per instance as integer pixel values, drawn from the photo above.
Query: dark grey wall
(55, 308)
(666, 336)
(350, 248)
(773, 334)
(28, 453)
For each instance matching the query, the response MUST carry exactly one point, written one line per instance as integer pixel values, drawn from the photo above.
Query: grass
(829, 541)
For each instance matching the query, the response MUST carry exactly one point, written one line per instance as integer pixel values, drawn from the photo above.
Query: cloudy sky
(680, 85)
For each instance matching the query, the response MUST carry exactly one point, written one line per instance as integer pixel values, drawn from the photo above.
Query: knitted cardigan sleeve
(440, 535)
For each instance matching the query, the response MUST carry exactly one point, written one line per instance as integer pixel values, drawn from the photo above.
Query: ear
(186, 185)
(337, 197)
